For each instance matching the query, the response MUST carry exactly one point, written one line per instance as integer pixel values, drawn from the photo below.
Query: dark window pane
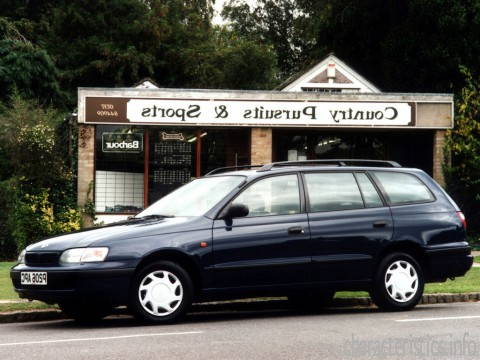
(403, 188)
(370, 194)
(333, 191)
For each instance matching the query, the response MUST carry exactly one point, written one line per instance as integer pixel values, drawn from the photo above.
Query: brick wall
(86, 166)
(261, 146)
(438, 155)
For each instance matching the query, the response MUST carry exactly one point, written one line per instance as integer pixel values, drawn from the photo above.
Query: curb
(426, 299)
(31, 315)
(244, 304)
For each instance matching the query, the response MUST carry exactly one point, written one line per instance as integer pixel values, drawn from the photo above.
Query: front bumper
(106, 282)
(448, 262)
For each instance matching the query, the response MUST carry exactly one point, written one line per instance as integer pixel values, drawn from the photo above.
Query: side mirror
(236, 211)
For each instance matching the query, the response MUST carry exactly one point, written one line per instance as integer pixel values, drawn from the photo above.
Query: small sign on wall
(122, 143)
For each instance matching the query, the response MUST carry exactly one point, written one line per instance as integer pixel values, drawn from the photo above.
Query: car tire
(161, 293)
(398, 284)
(311, 300)
(84, 312)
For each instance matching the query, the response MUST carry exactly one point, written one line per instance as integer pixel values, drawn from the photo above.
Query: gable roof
(317, 76)
(146, 83)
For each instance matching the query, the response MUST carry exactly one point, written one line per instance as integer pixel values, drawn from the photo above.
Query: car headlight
(83, 255)
(21, 257)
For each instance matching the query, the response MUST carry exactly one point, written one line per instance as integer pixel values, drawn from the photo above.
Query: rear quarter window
(403, 188)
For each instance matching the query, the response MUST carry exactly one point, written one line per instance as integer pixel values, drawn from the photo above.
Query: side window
(402, 188)
(279, 195)
(370, 194)
(333, 191)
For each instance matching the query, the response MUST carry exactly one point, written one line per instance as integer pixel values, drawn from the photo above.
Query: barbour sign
(122, 143)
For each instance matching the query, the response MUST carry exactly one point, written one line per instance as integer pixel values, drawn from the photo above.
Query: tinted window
(370, 194)
(277, 195)
(403, 188)
(333, 191)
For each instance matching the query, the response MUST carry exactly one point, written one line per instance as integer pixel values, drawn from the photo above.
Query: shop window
(224, 147)
(172, 154)
(119, 169)
(409, 148)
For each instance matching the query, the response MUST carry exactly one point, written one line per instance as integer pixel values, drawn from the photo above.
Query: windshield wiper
(154, 216)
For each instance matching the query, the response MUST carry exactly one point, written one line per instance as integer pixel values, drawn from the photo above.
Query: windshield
(194, 198)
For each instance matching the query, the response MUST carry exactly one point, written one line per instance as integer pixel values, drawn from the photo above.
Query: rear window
(402, 188)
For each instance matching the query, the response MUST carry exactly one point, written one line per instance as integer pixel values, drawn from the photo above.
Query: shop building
(137, 144)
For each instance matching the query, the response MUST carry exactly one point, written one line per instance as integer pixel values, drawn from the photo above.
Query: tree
(24, 67)
(272, 22)
(37, 197)
(399, 45)
(463, 143)
(109, 43)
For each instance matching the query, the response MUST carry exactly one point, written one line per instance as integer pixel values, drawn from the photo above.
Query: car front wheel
(161, 293)
(399, 283)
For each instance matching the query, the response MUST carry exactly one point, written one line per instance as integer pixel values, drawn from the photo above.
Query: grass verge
(465, 284)
(6, 289)
(34, 305)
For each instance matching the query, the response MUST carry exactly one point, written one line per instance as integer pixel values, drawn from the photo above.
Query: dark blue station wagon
(302, 229)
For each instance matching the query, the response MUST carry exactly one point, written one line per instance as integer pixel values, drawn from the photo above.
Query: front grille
(42, 258)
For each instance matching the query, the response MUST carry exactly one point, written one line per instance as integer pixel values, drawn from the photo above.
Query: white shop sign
(265, 113)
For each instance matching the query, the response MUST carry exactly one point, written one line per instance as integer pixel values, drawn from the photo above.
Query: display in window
(122, 143)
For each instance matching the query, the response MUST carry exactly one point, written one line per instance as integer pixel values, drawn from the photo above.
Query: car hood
(120, 231)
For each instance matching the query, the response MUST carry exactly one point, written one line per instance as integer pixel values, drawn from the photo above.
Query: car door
(269, 246)
(349, 220)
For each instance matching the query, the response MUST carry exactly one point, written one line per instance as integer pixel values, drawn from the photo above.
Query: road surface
(440, 331)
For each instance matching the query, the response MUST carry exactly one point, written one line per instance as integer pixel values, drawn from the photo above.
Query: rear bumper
(93, 282)
(446, 262)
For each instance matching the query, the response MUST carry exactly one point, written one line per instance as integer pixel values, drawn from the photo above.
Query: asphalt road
(441, 331)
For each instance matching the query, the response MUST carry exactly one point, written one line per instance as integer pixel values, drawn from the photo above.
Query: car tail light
(462, 219)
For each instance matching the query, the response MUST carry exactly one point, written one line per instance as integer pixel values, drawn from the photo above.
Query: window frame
(307, 197)
(387, 198)
(301, 195)
(375, 186)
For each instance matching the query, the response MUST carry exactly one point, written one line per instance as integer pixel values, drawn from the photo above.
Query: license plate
(33, 278)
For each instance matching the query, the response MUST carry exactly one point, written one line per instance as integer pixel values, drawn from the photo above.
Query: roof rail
(337, 162)
(226, 168)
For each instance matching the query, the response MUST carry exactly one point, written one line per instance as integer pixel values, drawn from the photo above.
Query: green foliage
(274, 23)
(229, 61)
(33, 217)
(24, 67)
(109, 43)
(399, 45)
(463, 142)
(37, 196)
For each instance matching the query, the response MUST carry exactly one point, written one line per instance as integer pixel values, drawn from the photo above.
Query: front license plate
(33, 278)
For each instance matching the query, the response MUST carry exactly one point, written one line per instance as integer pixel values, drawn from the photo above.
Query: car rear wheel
(399, 283)
(161, 293)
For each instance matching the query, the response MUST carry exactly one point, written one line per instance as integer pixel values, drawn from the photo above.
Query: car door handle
(378, 224)
(296, 230)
